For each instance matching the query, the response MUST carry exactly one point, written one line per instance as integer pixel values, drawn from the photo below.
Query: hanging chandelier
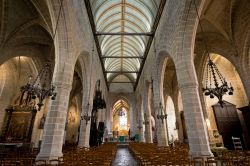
(86, 116)
(215, 84)
(161, 115)
(40, 88)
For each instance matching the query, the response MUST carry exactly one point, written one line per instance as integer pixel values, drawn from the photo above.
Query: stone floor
(124, 158)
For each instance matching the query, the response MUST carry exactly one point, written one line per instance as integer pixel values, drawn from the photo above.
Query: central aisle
(124, 158)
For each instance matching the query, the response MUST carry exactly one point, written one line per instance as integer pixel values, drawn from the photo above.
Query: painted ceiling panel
(123, 28)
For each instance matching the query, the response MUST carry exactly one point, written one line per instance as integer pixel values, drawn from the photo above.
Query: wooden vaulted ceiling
(123, 31)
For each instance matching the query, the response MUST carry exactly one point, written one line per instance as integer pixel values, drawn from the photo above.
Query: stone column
(109, 119)
(162, 138)
(133, 119)
(148, 130)
(53, 135)
(196, 128)
(84, 127)
(140, 123)
(140, 130)
(147, 113)
(161, 128)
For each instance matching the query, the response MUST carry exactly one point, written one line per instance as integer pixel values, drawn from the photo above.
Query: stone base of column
(83, 145)
(84, 135)
(162, 143)
(48, 156)
(201, 154)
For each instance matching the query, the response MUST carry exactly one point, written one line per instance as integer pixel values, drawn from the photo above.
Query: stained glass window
(123, 119)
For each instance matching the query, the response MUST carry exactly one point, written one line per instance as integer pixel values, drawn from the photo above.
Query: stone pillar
(147, 113)
(141, 131)
(84, 127)
(162, 138)
(109, 119)
(53, 135)
(161, 128)
(148, 128)
(196, 128)
(140, 123)
(133, 119)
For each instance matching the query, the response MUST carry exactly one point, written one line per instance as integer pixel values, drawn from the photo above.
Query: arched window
(123, 119)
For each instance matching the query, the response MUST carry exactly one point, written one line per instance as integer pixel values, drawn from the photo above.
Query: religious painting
(19, 125)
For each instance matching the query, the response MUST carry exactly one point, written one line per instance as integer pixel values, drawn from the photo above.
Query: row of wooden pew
(72, 156)
(95, 156)
(151, 155)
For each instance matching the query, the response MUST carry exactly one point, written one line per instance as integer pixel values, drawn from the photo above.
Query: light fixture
(40, 88)
(215, 84)
(161, 115)
(86, 117)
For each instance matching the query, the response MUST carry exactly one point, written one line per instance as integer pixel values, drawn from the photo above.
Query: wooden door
(228, 123)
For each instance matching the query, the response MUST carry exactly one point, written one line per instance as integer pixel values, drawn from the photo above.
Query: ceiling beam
(121, 72)
(139, 57)
(154, 27)
(124, 34)
(151, 37)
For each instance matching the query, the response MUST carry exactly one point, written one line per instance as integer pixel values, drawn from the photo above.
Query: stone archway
(239, 98)
(121, 119)
(15, 73)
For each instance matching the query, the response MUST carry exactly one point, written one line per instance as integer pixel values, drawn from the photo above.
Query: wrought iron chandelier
(215, 84)
(86, 116)
(40, 88)
(161, 115)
